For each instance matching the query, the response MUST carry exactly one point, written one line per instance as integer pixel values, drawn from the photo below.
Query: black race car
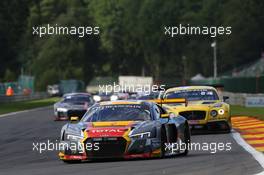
(73, 104)
(124, 129)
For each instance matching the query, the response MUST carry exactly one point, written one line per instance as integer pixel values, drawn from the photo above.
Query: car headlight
(114, 97)
(218, 105)
(74, 137)
(62, 109)
(213, 113)
(221, 111)
(97, 98)
(142, 135)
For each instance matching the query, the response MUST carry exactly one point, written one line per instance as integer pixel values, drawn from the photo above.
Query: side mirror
(74, 119)
(225, 98)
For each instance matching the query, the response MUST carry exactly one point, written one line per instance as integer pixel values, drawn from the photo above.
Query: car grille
(107, 148)
(193, 115)
(77, 113)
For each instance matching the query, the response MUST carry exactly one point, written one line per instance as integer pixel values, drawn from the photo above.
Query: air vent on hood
(208, 102)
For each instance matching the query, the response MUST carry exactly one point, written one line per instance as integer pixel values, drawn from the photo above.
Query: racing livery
(124, 129)
(205, 110)
(72, 104)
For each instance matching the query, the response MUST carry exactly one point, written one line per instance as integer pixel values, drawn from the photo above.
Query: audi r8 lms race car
(73, 104)
(205, 109)
(123, 129)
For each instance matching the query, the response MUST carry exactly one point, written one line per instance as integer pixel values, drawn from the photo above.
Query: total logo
(107, 130)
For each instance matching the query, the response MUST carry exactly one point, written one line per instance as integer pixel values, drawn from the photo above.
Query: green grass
(24, 105)
(248, 111)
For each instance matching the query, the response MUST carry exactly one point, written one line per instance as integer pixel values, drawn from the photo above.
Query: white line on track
(256, 154)
(24, 111)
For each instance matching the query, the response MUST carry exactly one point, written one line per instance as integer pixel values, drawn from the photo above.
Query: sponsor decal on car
(99, 132)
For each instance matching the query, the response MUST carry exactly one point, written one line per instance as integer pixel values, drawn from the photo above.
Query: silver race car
(72, 105)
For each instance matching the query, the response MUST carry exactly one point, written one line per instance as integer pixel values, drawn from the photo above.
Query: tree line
(131, 39)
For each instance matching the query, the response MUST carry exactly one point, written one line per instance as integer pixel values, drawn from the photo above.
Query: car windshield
(151, 96)
(77, 99)
(117, 113)
(105, 94)
(193, 95)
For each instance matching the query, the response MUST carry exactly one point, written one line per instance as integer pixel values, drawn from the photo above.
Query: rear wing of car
(170, 101)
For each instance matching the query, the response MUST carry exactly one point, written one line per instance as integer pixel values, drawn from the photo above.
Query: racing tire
(163, 140)
(187, 139)
(228, 128)
(227, 131)
(229, 124)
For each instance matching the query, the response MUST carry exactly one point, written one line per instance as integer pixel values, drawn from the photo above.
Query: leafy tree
(13, 15)
(131, 40)
(71, 56)
(9, 76)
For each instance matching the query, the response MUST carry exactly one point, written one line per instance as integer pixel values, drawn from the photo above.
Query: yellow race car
(203, 108)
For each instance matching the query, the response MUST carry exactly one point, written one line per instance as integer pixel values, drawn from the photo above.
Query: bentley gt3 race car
(124, 129)
(205, 110)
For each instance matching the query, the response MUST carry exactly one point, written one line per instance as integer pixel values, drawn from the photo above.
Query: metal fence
(240, 98)
(25, 84)
(16, 98)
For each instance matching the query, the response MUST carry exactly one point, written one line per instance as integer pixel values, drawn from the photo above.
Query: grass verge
(248, 111)
(25, 105)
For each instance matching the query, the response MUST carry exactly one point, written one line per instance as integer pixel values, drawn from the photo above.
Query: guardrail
(16, 98)
(240, 98)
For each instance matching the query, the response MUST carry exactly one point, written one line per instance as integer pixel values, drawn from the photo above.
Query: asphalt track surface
(19, 131)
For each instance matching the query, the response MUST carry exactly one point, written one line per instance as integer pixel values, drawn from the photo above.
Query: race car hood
(194, 105)
(204, 103)
(114, 128)
(72, 106)
(109, 129)
(78, 106)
